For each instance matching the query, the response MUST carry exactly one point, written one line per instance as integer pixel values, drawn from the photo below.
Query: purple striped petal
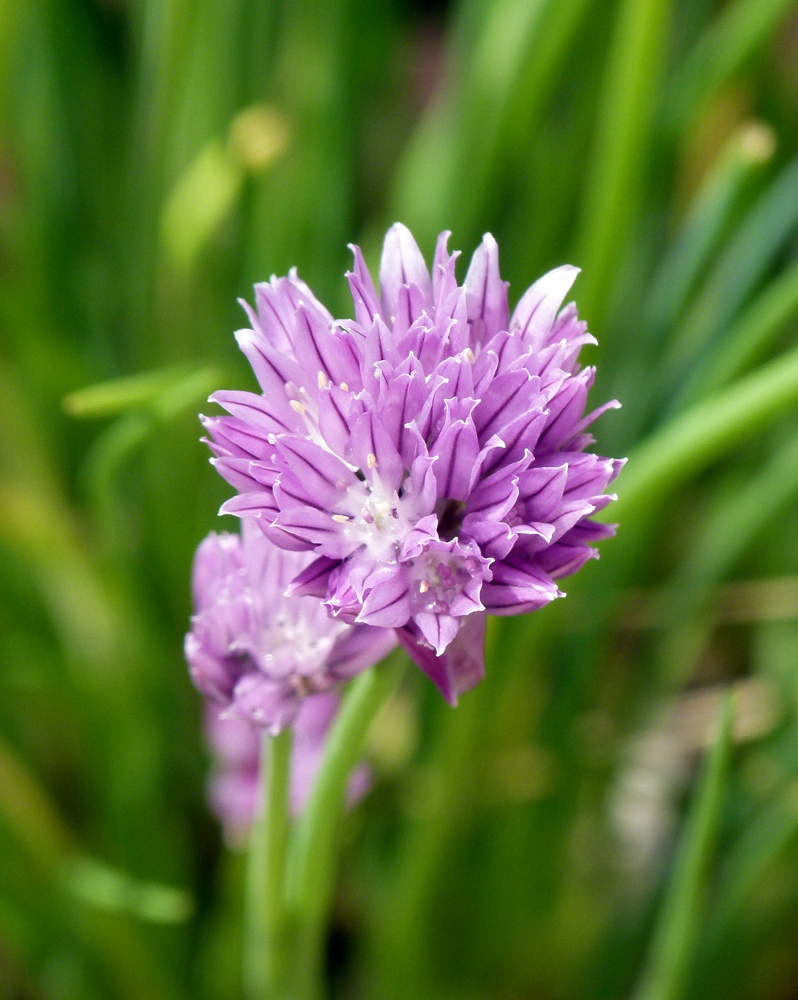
(516, 590)
(314, 580)
(402, 264)
(272, 369)
(538, 306)
(387, 602)
(456, 449)
(364, 294)
(486, 293)
(235, 437)
(317, 469)
(274, 416)
(508, 397)
(375, 452)
(462, 665)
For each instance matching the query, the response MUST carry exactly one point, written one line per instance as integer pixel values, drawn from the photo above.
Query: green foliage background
(547, 839)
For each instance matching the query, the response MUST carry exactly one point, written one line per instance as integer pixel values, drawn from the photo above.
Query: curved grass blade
(442, 180)
(750, 337)
(109, 889)
(761, 842)
(726, 532)
(144, 402)
(732, 38)
(626, 115)
(677, 930)
(27, 811)
(753, 249)
(748, 149)
(689, 442)
(164, 390)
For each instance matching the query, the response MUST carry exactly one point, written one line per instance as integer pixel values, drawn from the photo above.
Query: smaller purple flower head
(256, 651)
(234, 788)
(430, 452)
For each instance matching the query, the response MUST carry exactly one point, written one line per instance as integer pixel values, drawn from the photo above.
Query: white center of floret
(376, 520)
(297, 643)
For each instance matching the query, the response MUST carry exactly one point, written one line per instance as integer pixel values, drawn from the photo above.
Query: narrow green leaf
(198, 204)
(677, 930)
(761, 842)
(689, 442)
(161, 398)
(108, 399)
(628, 104)
(748, 148)
(444, 177)
(726, 532)
(26, 808)
(752, 250)
(732, 38)
(738, 516)
(98, 885)
(749, 338)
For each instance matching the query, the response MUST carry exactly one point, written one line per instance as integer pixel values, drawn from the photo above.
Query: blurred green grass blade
(742, 27)
(422, 189)
(401, 930)
(26, 809)
(98, 885)
(733, 522)
(736, 519)
(165, 391)
(101, 464)
(29, 813)
(163, 32)
(88, 623)
(301, 212)
(749, 338)
(751, 251)
(485, 115)
(198, 204)
(693, 440)
(677, 933)
(484, 69)
(207, 83)
(625, 117)
(749, 147)
(762, 841)
(183, 393)
(108, 399)
(539, 72)
(205, 194)
(152, 400)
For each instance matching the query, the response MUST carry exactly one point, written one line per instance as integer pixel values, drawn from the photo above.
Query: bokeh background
(579, 827)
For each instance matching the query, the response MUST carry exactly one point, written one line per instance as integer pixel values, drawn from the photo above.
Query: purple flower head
(430, 452)
(234, 786)
(253, 649)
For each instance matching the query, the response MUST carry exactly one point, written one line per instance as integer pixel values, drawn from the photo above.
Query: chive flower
(257, 652)
(429, 453)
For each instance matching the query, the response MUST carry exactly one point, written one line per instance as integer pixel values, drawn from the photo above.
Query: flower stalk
(265, 940)
(311, 864)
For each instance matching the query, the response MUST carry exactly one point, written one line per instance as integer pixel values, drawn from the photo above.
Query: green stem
(265, 937)
(311, 869)
(678, 932)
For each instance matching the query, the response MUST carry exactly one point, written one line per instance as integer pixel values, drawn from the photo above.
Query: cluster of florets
(427, 457)
(256, 652)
